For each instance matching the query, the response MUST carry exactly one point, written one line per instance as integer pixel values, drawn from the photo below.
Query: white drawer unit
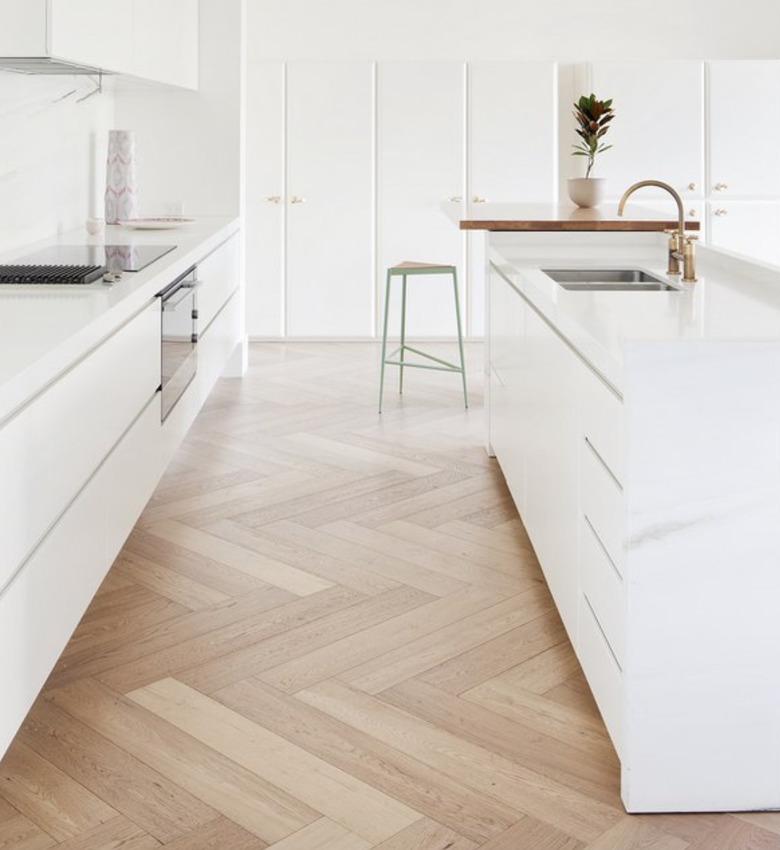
(603, 585)
(602, 502)
(44, 604)
(602, 670)
(54, 444)
(220, 276)
(602, 420)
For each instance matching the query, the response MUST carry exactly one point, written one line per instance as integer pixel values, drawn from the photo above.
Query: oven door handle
(169, 304)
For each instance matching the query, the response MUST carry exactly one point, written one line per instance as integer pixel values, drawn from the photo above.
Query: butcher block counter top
(562, 218)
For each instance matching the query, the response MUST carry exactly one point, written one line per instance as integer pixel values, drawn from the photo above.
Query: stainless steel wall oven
(179, 338)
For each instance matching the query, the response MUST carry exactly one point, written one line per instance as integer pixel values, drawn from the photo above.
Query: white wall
(189, 143)
(515, 29)
(52, 155)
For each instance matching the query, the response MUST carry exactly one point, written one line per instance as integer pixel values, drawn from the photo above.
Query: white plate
(161, 223)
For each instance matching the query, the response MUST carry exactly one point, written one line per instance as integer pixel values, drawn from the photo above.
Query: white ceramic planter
(587, 192)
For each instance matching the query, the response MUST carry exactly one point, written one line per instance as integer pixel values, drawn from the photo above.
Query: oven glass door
(179, 340)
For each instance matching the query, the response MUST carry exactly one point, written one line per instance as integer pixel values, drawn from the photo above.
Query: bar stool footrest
(445, 366)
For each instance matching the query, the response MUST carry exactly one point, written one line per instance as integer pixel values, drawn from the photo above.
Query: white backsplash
(52, 155)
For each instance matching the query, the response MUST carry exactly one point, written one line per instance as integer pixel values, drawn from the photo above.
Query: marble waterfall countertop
(46, 329)
(735, 300)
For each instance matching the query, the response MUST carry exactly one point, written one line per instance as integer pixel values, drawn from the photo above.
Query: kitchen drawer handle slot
(602, 547)
(601, 460)
(603, 635)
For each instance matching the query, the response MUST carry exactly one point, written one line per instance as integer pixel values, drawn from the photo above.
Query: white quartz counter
(45, 330)
(734, 299)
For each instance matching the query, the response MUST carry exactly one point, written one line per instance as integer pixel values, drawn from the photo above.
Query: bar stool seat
(403, 270)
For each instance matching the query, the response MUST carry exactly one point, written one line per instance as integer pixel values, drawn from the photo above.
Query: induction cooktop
(81, 264)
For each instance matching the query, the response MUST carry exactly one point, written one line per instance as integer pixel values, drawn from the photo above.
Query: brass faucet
(682, 248)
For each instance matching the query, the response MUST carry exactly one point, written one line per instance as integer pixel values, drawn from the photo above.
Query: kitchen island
(82, 437)
(639, 434)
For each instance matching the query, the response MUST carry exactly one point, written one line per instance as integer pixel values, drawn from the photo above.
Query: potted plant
(593, 121)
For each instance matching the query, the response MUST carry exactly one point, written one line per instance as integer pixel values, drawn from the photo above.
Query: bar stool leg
(403, 335)
(460, 338)
(384, 341)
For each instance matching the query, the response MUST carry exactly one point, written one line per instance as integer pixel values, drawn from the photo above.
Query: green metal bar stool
(404, 270)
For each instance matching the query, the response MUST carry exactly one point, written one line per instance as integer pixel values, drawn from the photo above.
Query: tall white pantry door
(330, 274)
(420, 167)
(512, 148)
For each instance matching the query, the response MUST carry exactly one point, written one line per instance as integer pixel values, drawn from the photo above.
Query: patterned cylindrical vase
(121, 188)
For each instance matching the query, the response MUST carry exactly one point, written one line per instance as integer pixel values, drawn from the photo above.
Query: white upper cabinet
(165, 41)
(93, 32)
(420, 158)
(658, 129)
(330, 271)
(150, 39)
(512, 132)
(23, 30)
(744, 119)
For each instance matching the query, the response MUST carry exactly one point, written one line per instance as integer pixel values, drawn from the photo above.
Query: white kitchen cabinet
(420, 165)
(93, 32)
(23, 32)
(744, 122)
(751, 228)
(265, 199)
(91, 406)
(552, 459)
(658, 129)
(506, 161)
(330, 207)
(165, 41)
(142, 38)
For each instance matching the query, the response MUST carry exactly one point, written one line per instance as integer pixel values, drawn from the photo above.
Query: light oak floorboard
(48, 797)
(405, 778)
(222, 784)
(427, 835)
(355, 805)
(323, 834)
(475, 766)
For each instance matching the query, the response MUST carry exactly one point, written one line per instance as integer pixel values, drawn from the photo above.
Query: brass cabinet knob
(691, 187)
(477, 200)
(719, 212)
(456, 199)
(274, 199)
(297, 200)
(721, 187)
(693, 213)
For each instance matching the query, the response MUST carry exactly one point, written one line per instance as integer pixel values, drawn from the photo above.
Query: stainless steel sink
(609, 280)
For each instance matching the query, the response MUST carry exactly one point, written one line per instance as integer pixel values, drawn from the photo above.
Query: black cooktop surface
(80, 264)
(113, 258)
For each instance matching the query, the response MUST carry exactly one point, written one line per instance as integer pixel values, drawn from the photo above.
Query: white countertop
(735, 300)
(45, 329)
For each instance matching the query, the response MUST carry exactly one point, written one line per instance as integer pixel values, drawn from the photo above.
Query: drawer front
(55, 444)
(602, 671)
(138, 463)
(602, 422)
(219, 275)
(602, 504)
(603, 585)
(40, 609)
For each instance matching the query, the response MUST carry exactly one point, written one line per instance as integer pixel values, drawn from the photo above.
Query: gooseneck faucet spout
(681, 248)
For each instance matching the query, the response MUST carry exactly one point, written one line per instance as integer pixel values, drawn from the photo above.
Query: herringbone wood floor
(329, 632)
